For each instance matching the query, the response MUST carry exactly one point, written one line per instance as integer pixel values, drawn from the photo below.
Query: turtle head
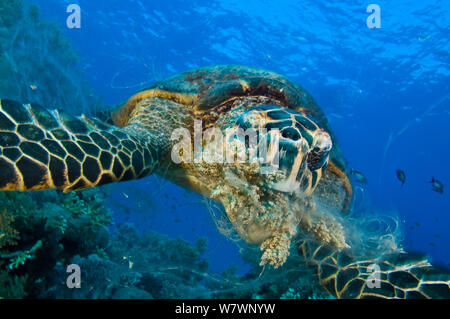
(302, 159)
(297, 147)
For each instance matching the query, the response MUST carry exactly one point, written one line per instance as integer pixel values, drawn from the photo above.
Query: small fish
(401, 176)
(437, 236)
(437, 220)
(437, 186)
(125, 195)
(411, 227)
(417, 224)
(33, 87)
(360, 178)
(432, 244)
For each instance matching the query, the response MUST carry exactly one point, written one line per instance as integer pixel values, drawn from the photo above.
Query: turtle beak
(303, 165)
(293, 162)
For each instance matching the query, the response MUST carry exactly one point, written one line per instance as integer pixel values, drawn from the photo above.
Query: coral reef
(124, 263)
(8, 235)
(151, 265)
(37, 63)
(39, 231)
(10, 12)
(43, 234)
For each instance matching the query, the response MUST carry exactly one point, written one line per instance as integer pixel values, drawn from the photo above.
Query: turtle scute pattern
(401, 275)
(41, 149)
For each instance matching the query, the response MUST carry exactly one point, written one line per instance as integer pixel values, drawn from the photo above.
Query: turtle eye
(320, 152)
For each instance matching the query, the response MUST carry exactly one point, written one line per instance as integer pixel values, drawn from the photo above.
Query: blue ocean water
(386, 93)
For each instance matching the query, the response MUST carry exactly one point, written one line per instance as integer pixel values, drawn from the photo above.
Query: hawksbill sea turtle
(306, 200)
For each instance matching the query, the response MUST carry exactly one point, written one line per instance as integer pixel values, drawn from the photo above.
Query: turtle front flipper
(397, 275)
(41, 149)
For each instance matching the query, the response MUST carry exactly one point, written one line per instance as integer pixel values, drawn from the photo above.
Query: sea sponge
(257, 213)
(325, 228)
(276, 250)
(8, 234)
